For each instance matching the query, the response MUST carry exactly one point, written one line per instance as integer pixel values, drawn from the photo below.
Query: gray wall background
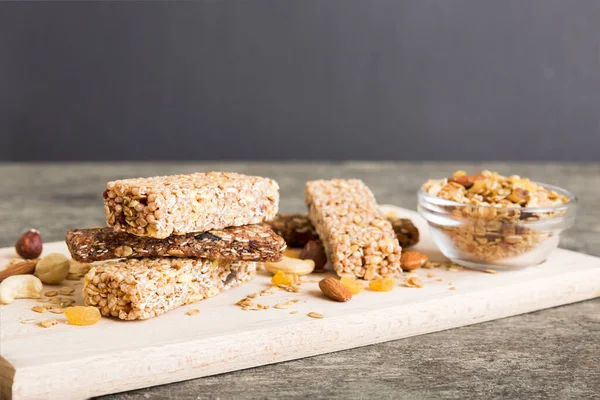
(300, 79)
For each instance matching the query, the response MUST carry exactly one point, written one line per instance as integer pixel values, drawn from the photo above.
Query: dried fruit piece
(355, 285)
(382, 285)
(291, 253)
(81, 315)
(412, 259)
(334, 289)
(315, 251)
(20, 287)
(29, 244)
(53, 269)
(291, 265)
(284, 279)
(18, 267)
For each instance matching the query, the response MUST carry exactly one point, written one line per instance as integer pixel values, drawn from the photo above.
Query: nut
(315, 251)
(18, 267)
(29, 244)
(335, 290)
(52, 269)
(20, 287)
(412, 259)
(291, 266)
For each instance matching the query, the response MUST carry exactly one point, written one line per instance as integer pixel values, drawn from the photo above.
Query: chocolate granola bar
(144, 288)
(175, 205)
(297, 230)
(359, 241)
(255, 242)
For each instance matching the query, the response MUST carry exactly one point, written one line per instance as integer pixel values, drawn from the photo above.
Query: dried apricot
(284, 279)
(354, 285)
(292, 253)
(80, 315)
(382, 285)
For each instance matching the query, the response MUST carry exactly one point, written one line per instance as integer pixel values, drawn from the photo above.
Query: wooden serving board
(72, 362)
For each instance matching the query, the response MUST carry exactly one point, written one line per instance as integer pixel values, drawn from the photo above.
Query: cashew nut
(291, 266)
(20, 287)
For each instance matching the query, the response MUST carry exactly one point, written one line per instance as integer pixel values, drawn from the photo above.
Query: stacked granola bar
(174, 240)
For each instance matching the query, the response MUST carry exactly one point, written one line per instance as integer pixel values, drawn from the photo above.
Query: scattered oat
(453, 288)
(291, 288)
(57, 310)
(270, 290)
(439, 280)
(47, 323)
(490, 271)
(281, 306)
(293, 312)
(252, 296)
(28, 321)
(430, 275)
(39, 309)
(51, 293)
(315, 315)
(413, 281)
(66, 291)
(192, 312)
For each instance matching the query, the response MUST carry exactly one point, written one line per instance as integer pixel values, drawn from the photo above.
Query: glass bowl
(484, 236)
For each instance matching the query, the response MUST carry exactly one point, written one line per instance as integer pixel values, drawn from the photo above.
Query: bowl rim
(573, 200)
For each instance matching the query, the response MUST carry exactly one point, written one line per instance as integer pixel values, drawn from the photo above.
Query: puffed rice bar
(358, 239)
(175, 205)
(297, 230)
(255, 242)
(144, 288)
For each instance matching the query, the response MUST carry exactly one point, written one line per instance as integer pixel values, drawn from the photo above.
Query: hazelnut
(314, 250)
(29, 245)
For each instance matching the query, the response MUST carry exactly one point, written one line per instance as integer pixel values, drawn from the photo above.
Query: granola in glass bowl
(487, 219)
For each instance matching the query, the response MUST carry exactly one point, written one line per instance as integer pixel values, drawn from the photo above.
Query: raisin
(382, 285)
(80, 315)
(105, 194)
(354, 285)
(207, 236)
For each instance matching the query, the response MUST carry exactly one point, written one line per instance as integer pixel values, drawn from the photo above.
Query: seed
(38, 309)
(66, 290)
(192, 312)
(51, 293)
(315, 315)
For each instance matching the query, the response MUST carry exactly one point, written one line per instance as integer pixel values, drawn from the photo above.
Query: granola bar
(358, 239)
(175, 205)
(297, 230)
(255, 242)
(145, 288)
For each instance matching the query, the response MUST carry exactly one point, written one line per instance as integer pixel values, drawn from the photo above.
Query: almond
(412, 259)
(18, 267)
(334, 289)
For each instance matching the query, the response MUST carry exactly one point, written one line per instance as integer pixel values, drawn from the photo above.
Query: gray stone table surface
(553, 353)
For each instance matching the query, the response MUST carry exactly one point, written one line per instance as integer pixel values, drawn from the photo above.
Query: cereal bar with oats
(359, 241)
(297, 230)
(144, 288)
(255, 242)
(175, 205)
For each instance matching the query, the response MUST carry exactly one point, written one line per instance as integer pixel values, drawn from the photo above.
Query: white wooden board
(70, 362)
